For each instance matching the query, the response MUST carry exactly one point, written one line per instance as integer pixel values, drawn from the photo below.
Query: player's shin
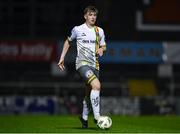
(95, 102)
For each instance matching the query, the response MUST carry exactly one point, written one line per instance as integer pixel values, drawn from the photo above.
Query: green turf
(64, 124)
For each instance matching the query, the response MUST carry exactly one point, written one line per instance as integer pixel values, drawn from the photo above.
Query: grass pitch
(71, 124)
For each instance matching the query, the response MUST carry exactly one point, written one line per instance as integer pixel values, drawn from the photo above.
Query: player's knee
(97, 86)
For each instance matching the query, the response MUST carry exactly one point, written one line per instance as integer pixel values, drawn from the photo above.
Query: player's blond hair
(90, 9)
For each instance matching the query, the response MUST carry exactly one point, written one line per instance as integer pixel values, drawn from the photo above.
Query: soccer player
(90, 41)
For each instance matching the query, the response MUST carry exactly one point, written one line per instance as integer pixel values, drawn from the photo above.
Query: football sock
(85, 110)
(95, 102)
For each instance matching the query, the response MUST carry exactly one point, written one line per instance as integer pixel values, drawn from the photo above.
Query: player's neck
(89, 25)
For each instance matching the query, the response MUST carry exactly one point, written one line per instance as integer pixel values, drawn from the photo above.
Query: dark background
(52, 20)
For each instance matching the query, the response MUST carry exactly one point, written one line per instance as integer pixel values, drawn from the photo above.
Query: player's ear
(85, 16)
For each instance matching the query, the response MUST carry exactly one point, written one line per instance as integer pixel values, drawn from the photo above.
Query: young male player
(91, 44)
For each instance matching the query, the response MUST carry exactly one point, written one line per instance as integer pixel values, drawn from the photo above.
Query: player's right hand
(99, 51)
(61, 65)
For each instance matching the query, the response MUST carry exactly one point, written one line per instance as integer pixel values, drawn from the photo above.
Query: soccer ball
(104, 122)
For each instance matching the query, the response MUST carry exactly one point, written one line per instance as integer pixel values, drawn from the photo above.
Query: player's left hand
(99, 52)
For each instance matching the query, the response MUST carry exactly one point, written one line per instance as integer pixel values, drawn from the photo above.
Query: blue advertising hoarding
(133, 52)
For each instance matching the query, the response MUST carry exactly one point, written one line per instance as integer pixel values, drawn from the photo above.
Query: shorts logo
(89, 73)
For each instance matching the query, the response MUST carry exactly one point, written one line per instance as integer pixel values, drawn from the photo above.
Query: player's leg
(86, 103)
(95, 97)
(90, 76)
(85, 111)
(86, 108)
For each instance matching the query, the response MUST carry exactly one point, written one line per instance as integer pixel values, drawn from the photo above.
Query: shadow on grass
(89, 128)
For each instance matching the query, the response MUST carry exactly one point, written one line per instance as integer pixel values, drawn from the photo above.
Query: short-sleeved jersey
(87, 44)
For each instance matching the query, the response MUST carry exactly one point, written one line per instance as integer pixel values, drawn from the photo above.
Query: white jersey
(87, 44)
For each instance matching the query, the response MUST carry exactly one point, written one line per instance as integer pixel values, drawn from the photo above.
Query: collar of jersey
(89, 27)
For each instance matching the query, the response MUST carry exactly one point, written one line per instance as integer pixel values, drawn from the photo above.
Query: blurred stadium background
(140, 72)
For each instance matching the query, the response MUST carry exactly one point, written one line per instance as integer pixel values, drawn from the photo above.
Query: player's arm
(63, 54)
(66, 47)
(102, 45)
(101, 50)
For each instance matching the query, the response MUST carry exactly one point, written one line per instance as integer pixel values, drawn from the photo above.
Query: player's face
(90, 18)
